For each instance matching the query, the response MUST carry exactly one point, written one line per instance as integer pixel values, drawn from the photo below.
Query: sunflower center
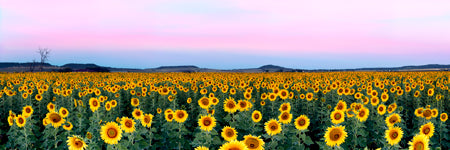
(78, 144)
(335, 134)
(128, 124)
(28, 110)
(340, 107)
(94, 103)
(252, 143)
(381, 109)
(362, 113)
(284, 108)
(230, 133)
(394, 135)
(147, 120)
(337, 116)
(111, 132)
(170, 116)
(243, 104)
(180, 115)
(393, 119)
(273, 126)
(427, 113)
(55, 117)
(419, 146)
(426, 130)
(21, 120)
(230, 105)
(301, 122)
(256, 116)
(207, 122)
(138, 113)
(64, 112)
(444, 116)
(284, 116)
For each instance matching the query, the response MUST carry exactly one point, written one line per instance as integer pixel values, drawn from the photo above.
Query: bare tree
(43, 52)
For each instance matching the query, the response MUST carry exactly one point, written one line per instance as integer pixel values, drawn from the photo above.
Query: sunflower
(253, 142)
(419, 112)
(284, 94)
(242, 105)
(309, 96)
(127, 125)
(21, 120)
(10, 120)
(24, 95)
(38, 97)
(337, 117)
(94, 104)
(256, 116)
(137, 113)
(146, 120)
(384, 97)
(374, 101)
(180, 116)
(434, 113)
(201, 148)
(55, 119)
(214, 100)
(234, 145)
(419, 142)
(27, 111)
(285, 107)
(111, 133)
(393, 135)
(285, 117)
(393, 119)
(363, 114)
(68, 126)
(430, 92)
(229, 133)
(51, 107)
(89, 135)
(262, 103)
(134, 102)
(113, 103)
(381, 109)
(335, 135)
(444, 117)
(427, 113)
(204, 102)
(64, 112)
(247, 95)
(207, 123)
(272, 127)
(230, 105)
(392, 107)
(427, 129)
(302, 122)
(164, 91)
(272, 97)
(76, 143)
(341, 105)
(108, 106)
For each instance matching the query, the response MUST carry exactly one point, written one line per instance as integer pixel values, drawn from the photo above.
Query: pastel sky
(225, 34)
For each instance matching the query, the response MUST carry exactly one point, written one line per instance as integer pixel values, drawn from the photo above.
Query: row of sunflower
(336, 110)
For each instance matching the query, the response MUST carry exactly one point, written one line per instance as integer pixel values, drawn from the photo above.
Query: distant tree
(32, 65)
(43, 53)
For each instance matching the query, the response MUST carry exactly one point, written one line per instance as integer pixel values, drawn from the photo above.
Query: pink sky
(261, 28)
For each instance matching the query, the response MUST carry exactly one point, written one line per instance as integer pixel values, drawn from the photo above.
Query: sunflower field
(226, 111)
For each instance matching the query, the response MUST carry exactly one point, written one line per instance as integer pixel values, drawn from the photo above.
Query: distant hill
(79, 66)
(13, 64)
(25, 67)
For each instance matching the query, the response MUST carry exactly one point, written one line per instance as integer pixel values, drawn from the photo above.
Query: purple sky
(228, 34)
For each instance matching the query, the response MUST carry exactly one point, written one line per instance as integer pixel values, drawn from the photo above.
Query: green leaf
(308, 141)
